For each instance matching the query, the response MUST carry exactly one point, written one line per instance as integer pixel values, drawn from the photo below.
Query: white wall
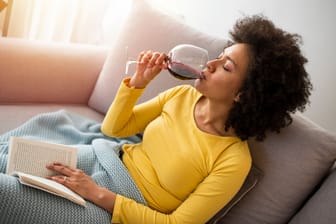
(313, 19)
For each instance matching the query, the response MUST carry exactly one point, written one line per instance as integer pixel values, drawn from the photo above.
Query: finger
(153, 59)
(67, 167)
(60, 168)
(59, 179)
(161, 59)
(146, 58)
(140, 56)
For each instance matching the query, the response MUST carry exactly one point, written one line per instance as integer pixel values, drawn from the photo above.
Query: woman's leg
(22, 204)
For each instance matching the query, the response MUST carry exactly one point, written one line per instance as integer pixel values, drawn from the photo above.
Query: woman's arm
(209, 196)
(123, 117)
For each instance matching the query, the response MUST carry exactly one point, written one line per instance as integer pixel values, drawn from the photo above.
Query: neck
(211, 117)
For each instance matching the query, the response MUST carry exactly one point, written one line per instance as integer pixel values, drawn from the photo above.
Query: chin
(198, 85)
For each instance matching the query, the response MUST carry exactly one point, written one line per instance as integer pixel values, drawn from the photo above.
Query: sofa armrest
(44, 72)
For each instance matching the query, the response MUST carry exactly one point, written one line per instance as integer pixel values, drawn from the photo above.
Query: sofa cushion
(321, 207)
(147, 29)
(293, 163)
(14, 115)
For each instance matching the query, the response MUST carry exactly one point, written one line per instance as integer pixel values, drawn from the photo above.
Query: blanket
(98, 156)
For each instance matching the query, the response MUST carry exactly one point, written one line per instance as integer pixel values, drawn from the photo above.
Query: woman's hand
(82, 184)
(149, 65)
(75, 179)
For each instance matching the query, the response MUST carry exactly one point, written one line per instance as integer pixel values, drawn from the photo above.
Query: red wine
(182, 71)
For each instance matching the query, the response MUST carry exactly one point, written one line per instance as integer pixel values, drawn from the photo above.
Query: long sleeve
(124, 118)
(210, 195)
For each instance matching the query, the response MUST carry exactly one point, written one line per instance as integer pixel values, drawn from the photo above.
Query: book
(27, 159)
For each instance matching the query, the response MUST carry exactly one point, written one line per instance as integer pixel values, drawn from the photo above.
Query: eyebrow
(228, 57)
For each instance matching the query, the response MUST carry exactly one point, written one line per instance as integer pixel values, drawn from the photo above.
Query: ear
(237, 98)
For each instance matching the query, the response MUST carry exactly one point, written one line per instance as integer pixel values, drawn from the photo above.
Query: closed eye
(226, 69)
(228, 66)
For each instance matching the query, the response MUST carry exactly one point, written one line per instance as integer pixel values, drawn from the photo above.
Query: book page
(31, 156)
(50, 186)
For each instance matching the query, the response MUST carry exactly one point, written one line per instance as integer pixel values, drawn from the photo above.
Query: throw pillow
(250, 182)
(147, 28)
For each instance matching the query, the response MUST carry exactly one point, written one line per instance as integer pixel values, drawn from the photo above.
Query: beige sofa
(42, 77)
(292, 180)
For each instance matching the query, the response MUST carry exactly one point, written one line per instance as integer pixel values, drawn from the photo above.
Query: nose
(211, 66)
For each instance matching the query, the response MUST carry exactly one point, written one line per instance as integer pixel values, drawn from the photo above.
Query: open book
(28, 158)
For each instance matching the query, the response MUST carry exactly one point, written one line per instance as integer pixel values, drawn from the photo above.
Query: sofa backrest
(35, 65)
(293, 164)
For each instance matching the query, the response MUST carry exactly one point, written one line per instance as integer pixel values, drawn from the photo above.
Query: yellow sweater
(185, 174)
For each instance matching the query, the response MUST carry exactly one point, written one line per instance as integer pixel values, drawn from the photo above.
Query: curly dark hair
(277, 83)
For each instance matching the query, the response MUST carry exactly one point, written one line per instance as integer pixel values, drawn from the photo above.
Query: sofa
(292, 179)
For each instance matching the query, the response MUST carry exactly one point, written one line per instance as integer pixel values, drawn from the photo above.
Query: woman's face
(225, 75)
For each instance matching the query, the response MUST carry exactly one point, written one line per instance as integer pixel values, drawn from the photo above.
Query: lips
(202, 76)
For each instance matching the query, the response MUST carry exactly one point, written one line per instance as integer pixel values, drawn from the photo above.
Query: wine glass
(129, 61)
(185, 61)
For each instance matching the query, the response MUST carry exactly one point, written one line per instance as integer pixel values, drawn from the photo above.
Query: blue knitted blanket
(97, 156)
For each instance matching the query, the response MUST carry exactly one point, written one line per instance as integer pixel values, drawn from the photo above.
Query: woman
(194, 156)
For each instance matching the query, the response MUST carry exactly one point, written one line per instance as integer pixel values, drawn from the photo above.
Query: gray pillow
(147, 29)
(250, 182)
(321, 207)
(293, 164)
